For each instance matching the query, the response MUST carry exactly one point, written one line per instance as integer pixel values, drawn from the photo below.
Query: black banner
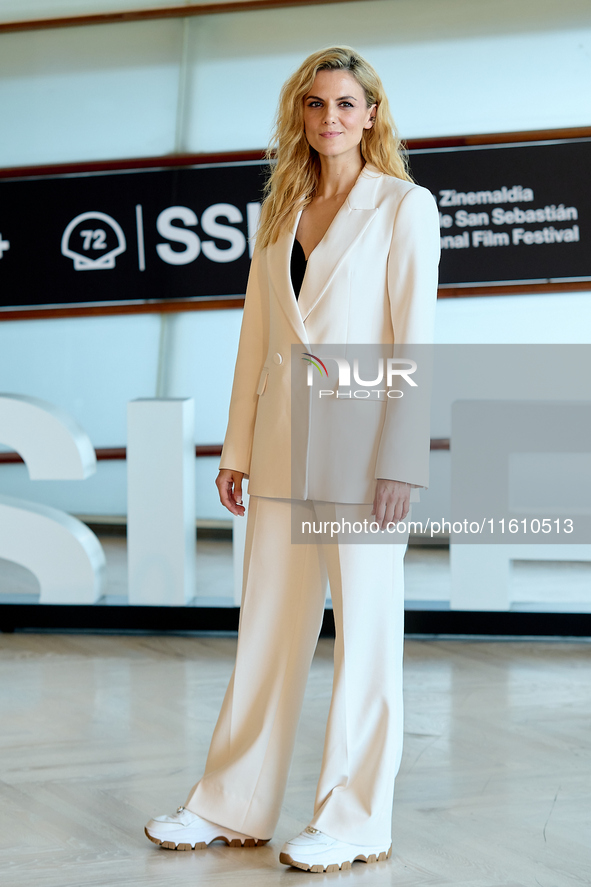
(172, 233)
(516, 213)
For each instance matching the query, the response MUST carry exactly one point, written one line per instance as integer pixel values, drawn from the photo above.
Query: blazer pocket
(263, 381)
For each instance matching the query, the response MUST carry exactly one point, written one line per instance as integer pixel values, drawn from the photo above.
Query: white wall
(89, 93)
(130, 90)
(449, 66)
(89, 366)
(552, 318)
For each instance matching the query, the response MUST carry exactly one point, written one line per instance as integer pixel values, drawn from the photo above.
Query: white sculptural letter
(64, 555)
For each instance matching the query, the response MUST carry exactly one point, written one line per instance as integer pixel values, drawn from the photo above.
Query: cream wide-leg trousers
(282, 609)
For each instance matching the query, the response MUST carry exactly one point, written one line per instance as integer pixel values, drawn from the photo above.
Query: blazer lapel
(278, 262)
(346, 228)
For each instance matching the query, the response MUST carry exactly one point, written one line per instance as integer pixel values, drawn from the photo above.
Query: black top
(297, 266)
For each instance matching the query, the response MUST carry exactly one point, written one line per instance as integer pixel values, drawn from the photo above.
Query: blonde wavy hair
(294, 177)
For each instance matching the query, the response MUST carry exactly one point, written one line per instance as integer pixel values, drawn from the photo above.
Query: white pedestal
(161, 501)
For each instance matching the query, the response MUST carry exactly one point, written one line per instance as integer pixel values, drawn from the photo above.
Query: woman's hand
(229, 484)
(391, 502)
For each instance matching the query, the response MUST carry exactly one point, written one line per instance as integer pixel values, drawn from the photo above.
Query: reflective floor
(98, 733)
(552, 586)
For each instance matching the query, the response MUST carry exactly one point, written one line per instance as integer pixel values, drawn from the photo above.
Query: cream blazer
(372, 280)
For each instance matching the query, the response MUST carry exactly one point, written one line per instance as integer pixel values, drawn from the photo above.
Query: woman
(347, 252)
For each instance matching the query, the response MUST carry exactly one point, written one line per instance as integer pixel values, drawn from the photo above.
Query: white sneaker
(314, 851)
(187, 831)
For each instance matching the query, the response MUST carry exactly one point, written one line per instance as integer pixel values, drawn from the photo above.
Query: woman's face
(336, 113)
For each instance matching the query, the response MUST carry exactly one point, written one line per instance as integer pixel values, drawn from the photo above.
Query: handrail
(111, 454)
(142, 15)
(164, 306)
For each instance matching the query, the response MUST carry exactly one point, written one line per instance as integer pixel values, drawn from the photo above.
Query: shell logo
(101, 232)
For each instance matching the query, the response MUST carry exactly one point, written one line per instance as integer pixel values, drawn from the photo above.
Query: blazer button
(277, 358)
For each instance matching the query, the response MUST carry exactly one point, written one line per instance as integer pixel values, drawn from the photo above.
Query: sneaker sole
(286, 859)
(202, 845)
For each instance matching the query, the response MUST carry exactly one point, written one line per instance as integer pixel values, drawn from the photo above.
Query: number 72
(99, 237)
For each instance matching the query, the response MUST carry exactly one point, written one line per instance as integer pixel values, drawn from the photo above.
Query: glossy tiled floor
(97, 733)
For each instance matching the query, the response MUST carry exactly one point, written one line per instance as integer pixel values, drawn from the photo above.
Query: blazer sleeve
(413, 261)
(252, 350)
